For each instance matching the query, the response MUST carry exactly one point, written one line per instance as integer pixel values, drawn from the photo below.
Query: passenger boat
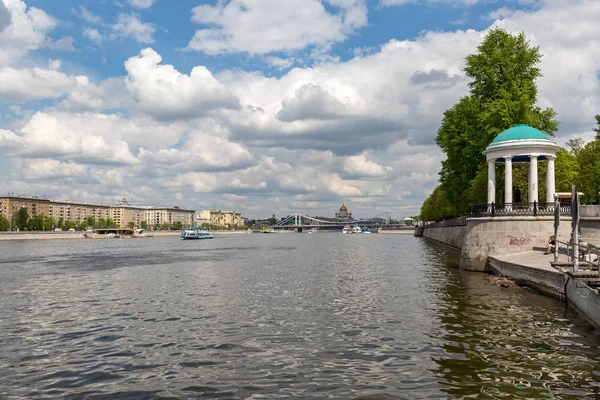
(313, 230)
(347, 229)
(357, 229)
(366, 230)
(196, 233)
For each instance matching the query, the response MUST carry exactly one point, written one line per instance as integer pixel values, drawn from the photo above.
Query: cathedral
(343, 214)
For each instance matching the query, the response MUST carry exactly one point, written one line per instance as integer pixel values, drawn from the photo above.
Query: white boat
(139, 233)
(195, 233)
(357, 229)
(347, 229)
(313, 230)
(366, 230)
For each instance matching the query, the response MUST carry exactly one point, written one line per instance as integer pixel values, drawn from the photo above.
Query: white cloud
(165, 93)
(360, 167)
(42, 169)
(279, 63)
(93, 34)
(130, 25)
(141, 3)
(27, 31)
(265, 26)
(20, 85)
(90, 138)
(63, 44)
(88, 16)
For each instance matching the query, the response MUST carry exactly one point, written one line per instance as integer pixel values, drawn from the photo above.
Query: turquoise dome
(520, 132)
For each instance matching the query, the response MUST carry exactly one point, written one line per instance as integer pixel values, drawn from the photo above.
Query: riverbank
(8, 236)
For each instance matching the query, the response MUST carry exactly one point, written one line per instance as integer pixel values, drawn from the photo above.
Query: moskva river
(278, 316)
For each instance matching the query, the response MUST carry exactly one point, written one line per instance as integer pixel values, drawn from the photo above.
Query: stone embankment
(513, 248)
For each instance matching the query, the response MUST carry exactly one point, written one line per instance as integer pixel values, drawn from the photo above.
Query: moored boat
(347, 229)
(357, 229)
(196, 233)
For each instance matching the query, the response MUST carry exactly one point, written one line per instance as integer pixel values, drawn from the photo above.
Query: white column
(508, 179)
(491, 181)
(533, 179)
(550, 185)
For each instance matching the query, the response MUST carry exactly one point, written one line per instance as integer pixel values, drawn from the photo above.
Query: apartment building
(221, 218)
(10, 205)
(122, 213)
(157, 216)
(77, 212)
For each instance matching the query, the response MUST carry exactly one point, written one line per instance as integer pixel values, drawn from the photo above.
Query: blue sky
(174, 28)
(262, 106)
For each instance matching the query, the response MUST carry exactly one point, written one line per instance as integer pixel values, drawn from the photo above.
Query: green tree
(22, 218)
(177, 225)
(144, 225)
(502, 93)
(575, 145)
(437, 207)
(597, 128)
(90, 221)
(70, 225)
(131, 224)
(566, 170)
(589, 172)
(4, 223)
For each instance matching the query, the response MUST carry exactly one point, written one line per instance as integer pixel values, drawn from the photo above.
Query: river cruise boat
(357, 229)
(195, 233)
(347, 229)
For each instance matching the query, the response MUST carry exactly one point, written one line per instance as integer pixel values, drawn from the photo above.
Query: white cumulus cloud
(164, 92)
(264, 26)
(130, 26)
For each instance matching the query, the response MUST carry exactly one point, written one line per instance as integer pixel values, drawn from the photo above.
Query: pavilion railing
(517, 209)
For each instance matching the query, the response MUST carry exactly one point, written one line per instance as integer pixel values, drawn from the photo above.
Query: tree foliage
(597, 128)
(589, 172)
(437, 207)
(21, 219)
(502, 93)
(4, 223)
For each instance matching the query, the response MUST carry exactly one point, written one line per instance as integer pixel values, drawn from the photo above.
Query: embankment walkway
(534, 269)
(531, 268)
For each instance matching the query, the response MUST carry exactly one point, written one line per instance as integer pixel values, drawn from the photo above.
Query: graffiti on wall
(515, 241)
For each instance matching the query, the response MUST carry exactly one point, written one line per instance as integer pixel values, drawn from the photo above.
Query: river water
(278, 316)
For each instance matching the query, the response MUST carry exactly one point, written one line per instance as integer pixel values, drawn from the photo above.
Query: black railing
(516, 209)
(460, 221)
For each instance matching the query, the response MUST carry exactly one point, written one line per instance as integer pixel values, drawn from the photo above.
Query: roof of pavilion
(521, 132)
(521, 140)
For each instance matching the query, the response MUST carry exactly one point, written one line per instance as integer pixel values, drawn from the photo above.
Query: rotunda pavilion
(521, 144)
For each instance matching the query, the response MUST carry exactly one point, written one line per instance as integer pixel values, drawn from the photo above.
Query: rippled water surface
(277, 316)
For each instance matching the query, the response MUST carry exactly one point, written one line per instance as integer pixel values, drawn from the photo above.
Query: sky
(261, 106)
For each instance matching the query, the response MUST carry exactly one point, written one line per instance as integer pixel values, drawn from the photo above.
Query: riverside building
(122, 213)
(223, 219)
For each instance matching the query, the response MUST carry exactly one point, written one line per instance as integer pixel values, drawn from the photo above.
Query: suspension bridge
(299, 221)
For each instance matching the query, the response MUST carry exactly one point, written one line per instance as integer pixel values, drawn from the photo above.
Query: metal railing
(516, 209)
(460, 221)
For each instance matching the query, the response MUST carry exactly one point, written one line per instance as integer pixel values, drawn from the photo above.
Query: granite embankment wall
(453, 236)
(483, 237)
(589, 221)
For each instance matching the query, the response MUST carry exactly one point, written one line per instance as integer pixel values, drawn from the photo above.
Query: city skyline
(249, 106)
